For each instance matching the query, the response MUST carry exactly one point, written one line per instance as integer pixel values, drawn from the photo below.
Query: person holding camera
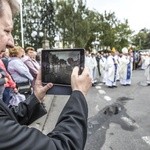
(70, 131)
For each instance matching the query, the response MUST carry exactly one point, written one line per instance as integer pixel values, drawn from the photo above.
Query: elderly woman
(17, 69)
(31, 61)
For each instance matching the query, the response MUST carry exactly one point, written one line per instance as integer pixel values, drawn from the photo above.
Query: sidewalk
(40, 123)
(54, 105)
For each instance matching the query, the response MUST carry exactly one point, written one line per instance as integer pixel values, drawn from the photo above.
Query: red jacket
(10, 82)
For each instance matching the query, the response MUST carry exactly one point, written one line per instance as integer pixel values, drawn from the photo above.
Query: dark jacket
(2, 79)
(69, 134)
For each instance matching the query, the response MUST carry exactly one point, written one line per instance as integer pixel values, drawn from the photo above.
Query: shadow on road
(99, 124)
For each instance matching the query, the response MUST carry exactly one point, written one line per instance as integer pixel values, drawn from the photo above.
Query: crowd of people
(113, 66)
(22, 68)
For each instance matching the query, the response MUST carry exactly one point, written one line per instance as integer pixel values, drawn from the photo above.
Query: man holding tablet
(70, 131)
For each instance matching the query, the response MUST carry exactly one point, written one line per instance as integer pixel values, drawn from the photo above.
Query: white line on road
(107, 98)
(101, 91)
(97, 108)
(146, 139)
(130, 122)
(98, 87)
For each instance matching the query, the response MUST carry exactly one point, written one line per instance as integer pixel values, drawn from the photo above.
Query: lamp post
(45, 42)
(140, 42)
(21, 24)
(35, 22)
(96, 45)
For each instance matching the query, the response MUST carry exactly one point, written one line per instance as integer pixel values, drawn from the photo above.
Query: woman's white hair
(14, 5)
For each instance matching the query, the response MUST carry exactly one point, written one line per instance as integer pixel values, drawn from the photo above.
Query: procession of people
(115, 67)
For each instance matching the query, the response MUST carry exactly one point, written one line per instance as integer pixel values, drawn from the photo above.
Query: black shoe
(148, 84)
(114, 86)
(93, 84)
(128, 84)
(110, 86)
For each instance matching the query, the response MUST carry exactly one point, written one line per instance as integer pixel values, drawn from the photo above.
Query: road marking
(130, 122)
(107, 98)
(146, 139)
(98, 87)
(101, 91)
(97, 108)
(100, 84)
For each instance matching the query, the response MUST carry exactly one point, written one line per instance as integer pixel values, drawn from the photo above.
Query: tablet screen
(57, 65)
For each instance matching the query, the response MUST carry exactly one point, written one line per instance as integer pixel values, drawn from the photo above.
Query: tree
(70, 22)
(76, 25)
(113, 32)
(122, 35)
(38, 18)
(142, 39)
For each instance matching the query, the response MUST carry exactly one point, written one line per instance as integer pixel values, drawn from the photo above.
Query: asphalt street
(118, 118)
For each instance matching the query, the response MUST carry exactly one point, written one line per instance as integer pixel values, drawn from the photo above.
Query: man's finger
(47, 87)
(39, 75)
(85, 70)
(75, 70)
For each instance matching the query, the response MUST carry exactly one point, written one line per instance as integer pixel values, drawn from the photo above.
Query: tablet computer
(57, 66)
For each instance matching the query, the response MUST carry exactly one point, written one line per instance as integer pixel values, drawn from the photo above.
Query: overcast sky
(136, 11)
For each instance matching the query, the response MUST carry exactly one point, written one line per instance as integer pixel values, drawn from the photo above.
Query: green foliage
(74, 23)
(81, 26)
(70, 23)
(38, 18)
(142, 39)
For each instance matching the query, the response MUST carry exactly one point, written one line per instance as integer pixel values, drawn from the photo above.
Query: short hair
(14, 6)
(29, 48)
(13, 52)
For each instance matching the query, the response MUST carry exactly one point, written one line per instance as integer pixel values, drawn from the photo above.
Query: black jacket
(69, 134)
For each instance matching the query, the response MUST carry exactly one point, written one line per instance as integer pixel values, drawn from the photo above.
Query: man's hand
(39, 89)
(81, 82)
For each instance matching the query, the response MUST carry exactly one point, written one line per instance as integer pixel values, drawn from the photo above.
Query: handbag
(16, 98)
(24, 87)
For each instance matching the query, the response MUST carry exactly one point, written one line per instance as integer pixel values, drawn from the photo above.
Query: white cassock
(117, 58)
(147, 69)
(111, 71)
(125, 70)
(143, 67)
(87, 63)
(93, 67)
(102, 64)
(91, 63)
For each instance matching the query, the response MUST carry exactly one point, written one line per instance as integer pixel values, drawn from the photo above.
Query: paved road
(122, 119)
(118, 118)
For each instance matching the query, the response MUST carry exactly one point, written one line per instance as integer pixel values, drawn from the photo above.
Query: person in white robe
(90, 62)
(126, 66)
(111, 70)
(147, 68)
(142, 62)
(87, 59)
(117, 58)
(102, 64)
(93, 66)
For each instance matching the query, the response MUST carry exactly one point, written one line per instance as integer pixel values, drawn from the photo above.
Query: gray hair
(14, 5)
